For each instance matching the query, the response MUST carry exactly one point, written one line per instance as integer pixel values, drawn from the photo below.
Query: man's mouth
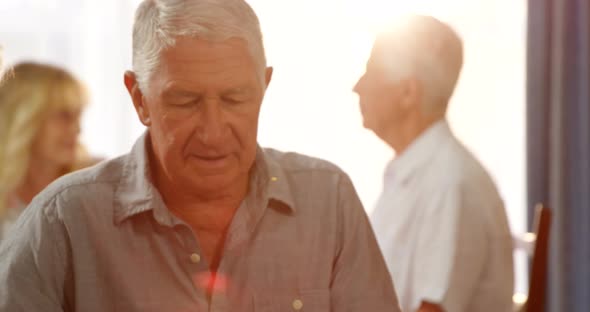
(211, 157)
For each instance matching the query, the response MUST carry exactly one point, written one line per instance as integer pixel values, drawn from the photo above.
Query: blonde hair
(29, 92)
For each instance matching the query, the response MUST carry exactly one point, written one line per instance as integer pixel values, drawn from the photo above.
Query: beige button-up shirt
(102, 240)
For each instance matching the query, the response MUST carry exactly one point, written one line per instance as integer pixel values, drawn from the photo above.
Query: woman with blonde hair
(40, 108)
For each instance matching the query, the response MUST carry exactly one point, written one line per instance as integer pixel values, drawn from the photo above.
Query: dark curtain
(558, 142)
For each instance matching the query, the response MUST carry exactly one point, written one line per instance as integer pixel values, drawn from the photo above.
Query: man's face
(382, 99)
(202, 108)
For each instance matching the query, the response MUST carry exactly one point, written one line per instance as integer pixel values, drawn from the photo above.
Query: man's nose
(213, 125)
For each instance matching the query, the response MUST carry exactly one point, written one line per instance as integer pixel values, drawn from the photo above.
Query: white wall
(319, 51)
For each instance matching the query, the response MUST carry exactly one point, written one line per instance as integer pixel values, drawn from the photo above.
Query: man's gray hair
(428, 50)
(159, 22)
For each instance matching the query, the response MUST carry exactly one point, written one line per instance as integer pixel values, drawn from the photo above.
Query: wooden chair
(535, 301)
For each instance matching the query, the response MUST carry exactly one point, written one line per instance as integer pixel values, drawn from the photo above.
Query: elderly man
(197, 217)
(440, 221)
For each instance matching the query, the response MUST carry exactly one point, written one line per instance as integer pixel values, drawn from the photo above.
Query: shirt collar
(420, 151)
(136, 194)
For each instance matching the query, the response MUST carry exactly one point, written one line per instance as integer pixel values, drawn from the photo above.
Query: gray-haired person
(197, 217)
(440, 220)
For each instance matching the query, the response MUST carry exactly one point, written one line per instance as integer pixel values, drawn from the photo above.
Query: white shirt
(442, 228)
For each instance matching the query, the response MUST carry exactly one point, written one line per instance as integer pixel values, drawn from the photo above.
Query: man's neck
(209, 210)
(212, 215)
(401, 137)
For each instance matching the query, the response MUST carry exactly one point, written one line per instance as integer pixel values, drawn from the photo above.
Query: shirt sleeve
(32, 266)
(451, 250)
(361, 281)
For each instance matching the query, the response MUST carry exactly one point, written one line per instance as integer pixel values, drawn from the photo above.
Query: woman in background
(40, 108)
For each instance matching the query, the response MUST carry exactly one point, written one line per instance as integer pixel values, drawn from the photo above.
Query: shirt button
(195, 258)
(297, 304)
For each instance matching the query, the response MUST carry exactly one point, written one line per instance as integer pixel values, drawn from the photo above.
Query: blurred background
(318, 49)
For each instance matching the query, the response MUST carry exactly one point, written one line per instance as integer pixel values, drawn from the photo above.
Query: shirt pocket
(292, 301)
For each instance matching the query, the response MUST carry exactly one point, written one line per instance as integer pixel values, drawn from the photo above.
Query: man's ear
(412, 92)
(268, 76)
(137, 97)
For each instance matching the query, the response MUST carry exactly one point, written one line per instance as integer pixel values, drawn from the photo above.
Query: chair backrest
(538, 279)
